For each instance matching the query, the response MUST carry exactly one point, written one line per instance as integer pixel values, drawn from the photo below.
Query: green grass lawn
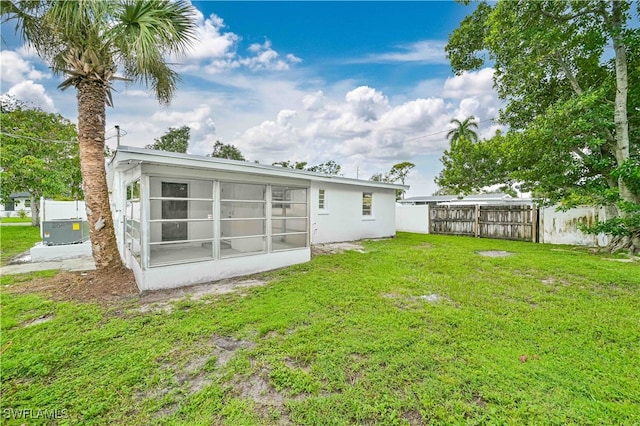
(419, 329)
(16, 239)
(15, 219)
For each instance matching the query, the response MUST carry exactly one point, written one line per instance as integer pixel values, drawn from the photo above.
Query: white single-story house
(18, 201)
(183, 219)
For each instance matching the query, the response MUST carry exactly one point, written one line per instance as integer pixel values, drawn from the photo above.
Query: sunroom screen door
(175, 209)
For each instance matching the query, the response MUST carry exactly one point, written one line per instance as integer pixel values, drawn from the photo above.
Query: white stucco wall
(559, 227)
(172, 276)
(342, 218)
(412, 218)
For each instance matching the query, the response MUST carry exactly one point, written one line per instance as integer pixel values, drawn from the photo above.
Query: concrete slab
(42, 253)
(78, 264)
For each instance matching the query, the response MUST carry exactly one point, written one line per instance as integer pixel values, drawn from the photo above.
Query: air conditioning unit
(65, 231)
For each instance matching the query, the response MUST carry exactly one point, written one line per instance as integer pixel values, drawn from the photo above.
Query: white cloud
(173, 118)
(15, 69)
(414, 115)
(285, 117)
(265, 58)
(32, 93)
(272, 119)
(313, 101)
(212, 42)
(367, 103)
(216, 51)
(476, 96)
(425, 51)
(474, 83)
(363, 123)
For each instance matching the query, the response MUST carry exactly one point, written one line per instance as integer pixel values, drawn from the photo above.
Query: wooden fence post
(534, 223)
(477, 225)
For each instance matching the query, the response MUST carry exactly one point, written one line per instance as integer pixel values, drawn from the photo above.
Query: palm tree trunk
(91, 122)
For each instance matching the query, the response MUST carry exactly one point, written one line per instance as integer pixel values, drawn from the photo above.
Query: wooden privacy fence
(490, 221)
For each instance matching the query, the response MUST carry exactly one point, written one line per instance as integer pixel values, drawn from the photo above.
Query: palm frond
(145, 34)
(86, 39)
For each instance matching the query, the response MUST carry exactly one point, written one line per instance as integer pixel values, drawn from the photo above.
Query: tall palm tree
(87, 41)
(463, 129)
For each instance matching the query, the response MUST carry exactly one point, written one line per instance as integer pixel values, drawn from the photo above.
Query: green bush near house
(419, 329)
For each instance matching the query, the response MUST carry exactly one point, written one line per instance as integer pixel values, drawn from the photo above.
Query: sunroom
(184, 225)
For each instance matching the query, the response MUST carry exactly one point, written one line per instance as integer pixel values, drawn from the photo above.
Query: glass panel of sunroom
(241, 228)
(286, 209)
(285, 193)
(160, 208)
(241, 191)
(283, 226)
(241, 209)
(242, 246)
(179, 187)
(290, 241)
(180, 252)
(180, 231)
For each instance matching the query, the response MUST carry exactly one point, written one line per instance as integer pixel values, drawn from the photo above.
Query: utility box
(65, 231)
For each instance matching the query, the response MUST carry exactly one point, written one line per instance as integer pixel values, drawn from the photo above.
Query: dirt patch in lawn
(225, 348)
(158, 299)
(495, 253)
(110, 289)
(89, 286)
(333, 248)
(39, 320)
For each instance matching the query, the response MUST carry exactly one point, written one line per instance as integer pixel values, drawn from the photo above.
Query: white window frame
(368, 215)
(322, 201)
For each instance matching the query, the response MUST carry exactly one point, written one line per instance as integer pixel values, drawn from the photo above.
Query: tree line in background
(569, 73)
(176, 139)
(398, 173)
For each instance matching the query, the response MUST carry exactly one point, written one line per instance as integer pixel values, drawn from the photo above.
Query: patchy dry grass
(415, 330)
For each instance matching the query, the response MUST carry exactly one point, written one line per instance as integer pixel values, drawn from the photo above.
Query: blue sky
(365, 84)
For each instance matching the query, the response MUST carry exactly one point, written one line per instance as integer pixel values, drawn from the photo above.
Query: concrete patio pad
(84, 263)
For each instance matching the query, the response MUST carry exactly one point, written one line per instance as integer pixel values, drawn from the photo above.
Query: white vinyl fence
(412, 219)
(53, 210)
